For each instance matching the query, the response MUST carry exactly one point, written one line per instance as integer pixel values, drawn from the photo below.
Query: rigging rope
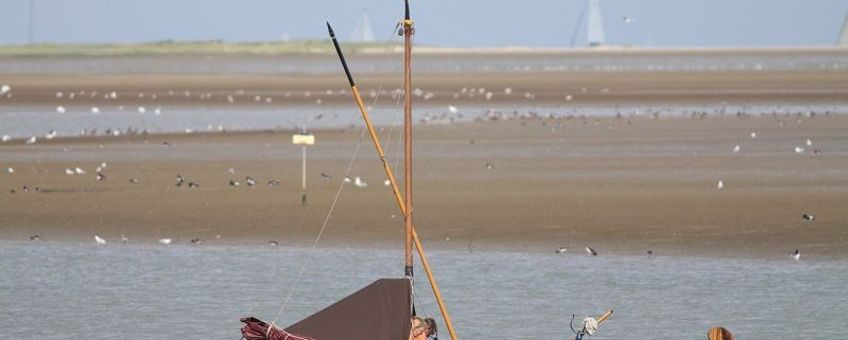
(311, 249)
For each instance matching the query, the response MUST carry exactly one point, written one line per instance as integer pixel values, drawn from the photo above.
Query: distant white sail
(363, 31)
(843, 37)
(596, 25)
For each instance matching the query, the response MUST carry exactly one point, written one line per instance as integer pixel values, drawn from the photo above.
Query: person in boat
(418, 330)
(719, 333)
(432, 329)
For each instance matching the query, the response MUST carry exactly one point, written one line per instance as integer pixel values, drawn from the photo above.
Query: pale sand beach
(623, 186)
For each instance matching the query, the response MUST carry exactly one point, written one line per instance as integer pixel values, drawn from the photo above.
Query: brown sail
(380, 311)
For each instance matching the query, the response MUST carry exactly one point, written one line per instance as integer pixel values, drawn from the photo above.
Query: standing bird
(797, 255)
(808, 217)
(250, 181)
(180, 180)
(590, 251)
(100, 176)
(124, 239)
(561, 250)
(99, 240)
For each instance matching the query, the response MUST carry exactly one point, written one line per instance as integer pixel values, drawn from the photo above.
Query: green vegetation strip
(183, 48)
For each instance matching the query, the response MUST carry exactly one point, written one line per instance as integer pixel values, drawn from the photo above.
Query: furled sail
(380, 311)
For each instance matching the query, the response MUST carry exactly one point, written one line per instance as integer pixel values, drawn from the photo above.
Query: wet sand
(526, 88)
(621, 185)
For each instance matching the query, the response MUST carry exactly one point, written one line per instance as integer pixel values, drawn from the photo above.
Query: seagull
(193, 185)
(387, 182)
(797, 255)
(99, 240)
(359, 182)
(590, 251)
(124, 239)
(234, 183)
(809, 142)
(35, 238)
(60, 109)
(5, 89)
(69, 172)
(79, 171)
(100, 176)
(453, 109)
(6, 138)
(250, 181)
(720, 184)
(347, 179)
(626, 19)
(736, 148)
(753, 135)
(165, 241)
(95, 109)
(799, 149)
(10, 170)
(273, 182)
(180, 180)
(133, 181)
(561, 250)
(231, 171)
(272, 243)
(196, 241)
(808, 217)
(31, 140)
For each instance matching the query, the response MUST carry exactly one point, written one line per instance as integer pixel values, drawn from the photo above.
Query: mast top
(407, 21)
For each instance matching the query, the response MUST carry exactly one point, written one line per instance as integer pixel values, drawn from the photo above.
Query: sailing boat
(383, 309)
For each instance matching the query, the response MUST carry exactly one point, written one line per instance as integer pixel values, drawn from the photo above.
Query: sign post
(303, 139)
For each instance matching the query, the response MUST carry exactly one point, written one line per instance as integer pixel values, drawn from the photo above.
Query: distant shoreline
(321, 47)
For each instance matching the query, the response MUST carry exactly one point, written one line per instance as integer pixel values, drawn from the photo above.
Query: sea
(79, 290)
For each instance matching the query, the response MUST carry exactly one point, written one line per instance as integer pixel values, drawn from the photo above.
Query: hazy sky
(439, 22)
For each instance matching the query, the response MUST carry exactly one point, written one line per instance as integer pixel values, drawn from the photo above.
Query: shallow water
(26, 121)
(54, 290)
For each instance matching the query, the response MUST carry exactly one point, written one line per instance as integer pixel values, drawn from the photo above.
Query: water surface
(57, 290)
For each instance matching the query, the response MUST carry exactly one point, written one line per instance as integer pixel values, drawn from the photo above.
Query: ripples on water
(73, 291)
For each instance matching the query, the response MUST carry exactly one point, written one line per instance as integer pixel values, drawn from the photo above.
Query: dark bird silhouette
(808, 217)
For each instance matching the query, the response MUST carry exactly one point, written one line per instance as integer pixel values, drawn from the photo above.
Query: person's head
(418, 330)
(719, 333)
(432, 329)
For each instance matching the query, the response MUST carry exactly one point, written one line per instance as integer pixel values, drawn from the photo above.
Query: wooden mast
(407, 137)
(411, 235)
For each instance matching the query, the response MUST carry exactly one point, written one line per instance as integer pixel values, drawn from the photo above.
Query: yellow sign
(303, 139)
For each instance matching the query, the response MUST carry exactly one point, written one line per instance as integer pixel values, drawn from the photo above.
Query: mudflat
(621, 185)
